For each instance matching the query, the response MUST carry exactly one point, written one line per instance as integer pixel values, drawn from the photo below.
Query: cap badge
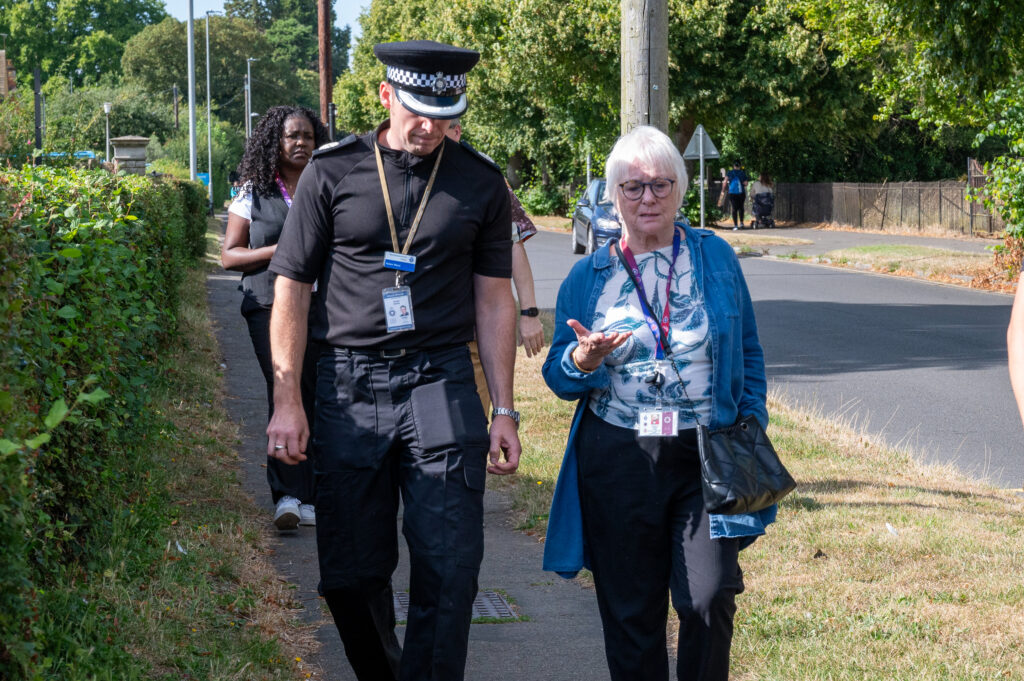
(439, 84)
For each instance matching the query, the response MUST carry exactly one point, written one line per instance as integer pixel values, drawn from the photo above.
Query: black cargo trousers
(410, 425)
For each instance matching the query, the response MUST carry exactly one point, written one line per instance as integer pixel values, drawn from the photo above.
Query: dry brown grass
(758, 239)
(879, 567)
(906, 230)
(554, 223)
(914, 261)
(219, 603)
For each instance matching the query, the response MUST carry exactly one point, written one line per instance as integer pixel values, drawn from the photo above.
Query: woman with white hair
(654, 334)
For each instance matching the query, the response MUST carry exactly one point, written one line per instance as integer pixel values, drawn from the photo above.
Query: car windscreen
(602, 200)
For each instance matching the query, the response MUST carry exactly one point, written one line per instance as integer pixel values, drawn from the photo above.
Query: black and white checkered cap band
(439, 84)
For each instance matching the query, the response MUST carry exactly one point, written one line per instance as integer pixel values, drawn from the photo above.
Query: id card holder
(657, 423)
(398, 309)
(399, 261)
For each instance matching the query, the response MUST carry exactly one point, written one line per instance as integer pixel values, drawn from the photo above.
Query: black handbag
(739, 469)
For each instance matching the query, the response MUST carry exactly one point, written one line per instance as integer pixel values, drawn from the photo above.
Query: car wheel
(591, 243)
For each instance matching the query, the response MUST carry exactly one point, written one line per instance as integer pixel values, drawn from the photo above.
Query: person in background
(1015, 346)
(531, 333)
(275, 156)
(736, 181)
(762, 185)
(723, 196)
(654, 334)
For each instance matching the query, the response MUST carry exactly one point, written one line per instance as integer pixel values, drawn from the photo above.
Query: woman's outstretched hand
(594, 347)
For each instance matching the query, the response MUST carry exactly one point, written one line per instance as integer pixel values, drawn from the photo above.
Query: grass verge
(907, 230)
(919, 261)
(205, 603)
(879, 567)
(555, 223)
(755, 239)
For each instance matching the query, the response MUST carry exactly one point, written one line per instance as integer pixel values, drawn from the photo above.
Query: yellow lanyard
(387, 199)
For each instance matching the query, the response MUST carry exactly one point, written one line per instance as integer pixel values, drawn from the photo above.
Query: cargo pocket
(432, 414)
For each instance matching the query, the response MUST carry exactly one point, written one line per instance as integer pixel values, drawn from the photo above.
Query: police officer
(397, 218)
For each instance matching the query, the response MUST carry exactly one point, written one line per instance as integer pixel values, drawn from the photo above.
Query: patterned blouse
(634, 363)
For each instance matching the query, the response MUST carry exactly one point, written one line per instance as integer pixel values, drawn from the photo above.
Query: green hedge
(90, 266)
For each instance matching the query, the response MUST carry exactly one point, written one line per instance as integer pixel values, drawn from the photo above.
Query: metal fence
(921, 206)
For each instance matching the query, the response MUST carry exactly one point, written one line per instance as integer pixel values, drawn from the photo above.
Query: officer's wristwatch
(530, 312)
(505, 411)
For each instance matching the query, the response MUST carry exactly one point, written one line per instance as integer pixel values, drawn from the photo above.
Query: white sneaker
(307, 515)
(286, 516)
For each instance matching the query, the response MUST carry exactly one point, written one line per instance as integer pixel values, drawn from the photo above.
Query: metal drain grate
(487, 604)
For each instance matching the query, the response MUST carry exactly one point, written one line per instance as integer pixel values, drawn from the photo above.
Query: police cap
(429, 78)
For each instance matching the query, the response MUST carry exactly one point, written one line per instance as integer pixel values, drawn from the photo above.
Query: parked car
(594, 221)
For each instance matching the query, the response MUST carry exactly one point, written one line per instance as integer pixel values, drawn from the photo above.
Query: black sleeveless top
(268, 215)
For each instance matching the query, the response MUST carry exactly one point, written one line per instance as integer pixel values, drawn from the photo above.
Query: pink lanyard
(660, 334)
(284, 191)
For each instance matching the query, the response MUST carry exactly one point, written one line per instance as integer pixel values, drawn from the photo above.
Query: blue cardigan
(738, 384)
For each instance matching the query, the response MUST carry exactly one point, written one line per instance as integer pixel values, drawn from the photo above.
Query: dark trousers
(736, 201)
(411, 426)
(284, 479)
(648, 535)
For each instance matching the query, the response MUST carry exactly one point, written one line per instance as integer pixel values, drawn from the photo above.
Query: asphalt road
(923, 365)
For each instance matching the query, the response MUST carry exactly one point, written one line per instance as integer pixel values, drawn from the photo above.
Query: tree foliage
(62, 37)
(156, 59)
(76, 121)
(760, 76)
(943, 63)
(291, 28)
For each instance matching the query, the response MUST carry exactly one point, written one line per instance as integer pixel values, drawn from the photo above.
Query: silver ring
(278, 447)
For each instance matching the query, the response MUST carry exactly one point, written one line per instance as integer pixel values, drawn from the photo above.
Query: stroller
(764, 204)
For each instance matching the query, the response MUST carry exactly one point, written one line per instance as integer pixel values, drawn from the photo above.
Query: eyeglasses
(634, 190)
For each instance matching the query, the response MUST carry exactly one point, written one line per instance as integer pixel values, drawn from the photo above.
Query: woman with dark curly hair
(275, 156)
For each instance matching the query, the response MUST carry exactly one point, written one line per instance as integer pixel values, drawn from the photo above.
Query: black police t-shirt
(337, 232)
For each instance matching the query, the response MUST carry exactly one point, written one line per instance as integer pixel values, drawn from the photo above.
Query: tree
(760, 76)
(944, 63)
(294, 43)
(61, 36)
(258, 12)
(291, 28)
(76, 121)
(156, 59)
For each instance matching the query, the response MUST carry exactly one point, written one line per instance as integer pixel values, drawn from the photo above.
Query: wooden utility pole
(323, 8)
(644, 64)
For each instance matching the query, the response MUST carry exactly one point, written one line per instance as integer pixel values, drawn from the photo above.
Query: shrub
(540, 200)
(90, 266)
(691, 207)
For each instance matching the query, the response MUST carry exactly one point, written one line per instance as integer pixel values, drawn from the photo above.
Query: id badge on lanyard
(398, 298)
(398, 309)
(659, 421)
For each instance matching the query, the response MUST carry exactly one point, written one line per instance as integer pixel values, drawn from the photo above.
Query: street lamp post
(191, 95)
(106, 113)
(209, 118)
(248, 95)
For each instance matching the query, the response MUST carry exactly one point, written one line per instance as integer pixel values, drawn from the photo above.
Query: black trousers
(412, 426)
(736, 202)
(648, 535)
(284, 479)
